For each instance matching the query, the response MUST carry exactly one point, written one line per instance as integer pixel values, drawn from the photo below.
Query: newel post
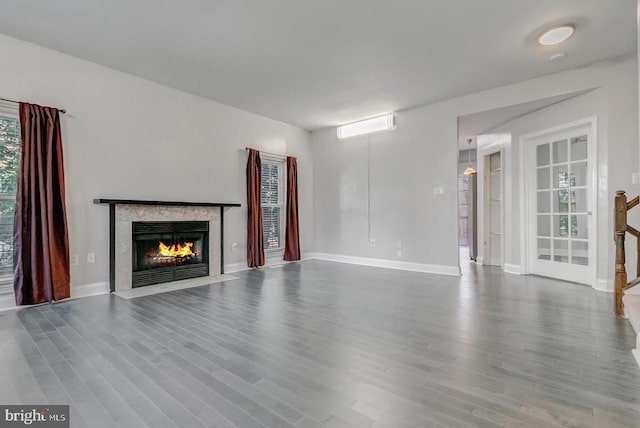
(620, 229)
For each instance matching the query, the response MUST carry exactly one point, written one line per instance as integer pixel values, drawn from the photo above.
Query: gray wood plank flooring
(320, 344)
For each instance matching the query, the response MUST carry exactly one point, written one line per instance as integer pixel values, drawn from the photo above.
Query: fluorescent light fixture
(556, 35)
(367, 126)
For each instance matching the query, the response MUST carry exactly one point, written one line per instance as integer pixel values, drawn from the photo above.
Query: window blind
(270, 191)
(272, 201)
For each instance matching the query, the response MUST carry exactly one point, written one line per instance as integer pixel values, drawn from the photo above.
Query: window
(272, 201)
(9, 155)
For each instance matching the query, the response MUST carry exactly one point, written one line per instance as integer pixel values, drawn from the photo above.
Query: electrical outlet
(91, 258)
(75, 260)
(234, 246)
(438, 190)
(372, 242)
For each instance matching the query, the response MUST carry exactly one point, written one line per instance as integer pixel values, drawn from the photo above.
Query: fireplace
(165, 251)
(124, 252)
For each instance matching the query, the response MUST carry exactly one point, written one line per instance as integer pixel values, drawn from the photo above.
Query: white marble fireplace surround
(126, 214)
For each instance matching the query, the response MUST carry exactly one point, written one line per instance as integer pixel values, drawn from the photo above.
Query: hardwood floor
(320, 344)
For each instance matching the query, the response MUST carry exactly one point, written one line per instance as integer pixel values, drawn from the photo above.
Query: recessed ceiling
(472, 125)
(324, 63)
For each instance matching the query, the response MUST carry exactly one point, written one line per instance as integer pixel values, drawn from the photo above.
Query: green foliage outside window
(9, 157)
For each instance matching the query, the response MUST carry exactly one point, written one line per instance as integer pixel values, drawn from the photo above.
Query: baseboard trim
(604, 285)
(389, 264)
(512, 269)
(7, 302)
(87, 290)
(77, 292)
(480, 260)
(636, 353)
(235, 267)
(269, 262)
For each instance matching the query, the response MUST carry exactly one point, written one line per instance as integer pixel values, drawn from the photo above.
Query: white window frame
(9, 111)
(282, 199)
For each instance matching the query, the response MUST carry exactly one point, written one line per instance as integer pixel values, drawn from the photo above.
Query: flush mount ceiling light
(556, 35)
(367, 126)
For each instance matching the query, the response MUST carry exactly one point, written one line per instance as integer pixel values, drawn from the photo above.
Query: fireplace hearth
(165, 251)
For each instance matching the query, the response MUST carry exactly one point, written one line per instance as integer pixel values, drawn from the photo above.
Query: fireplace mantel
(171, 205)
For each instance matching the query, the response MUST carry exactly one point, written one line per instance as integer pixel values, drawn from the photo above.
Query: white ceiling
(323, 63)
(470, 126)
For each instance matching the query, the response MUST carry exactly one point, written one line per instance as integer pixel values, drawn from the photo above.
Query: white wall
(421, 153)
(125, 137)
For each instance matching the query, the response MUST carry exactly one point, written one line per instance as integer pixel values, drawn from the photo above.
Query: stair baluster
(621, 228)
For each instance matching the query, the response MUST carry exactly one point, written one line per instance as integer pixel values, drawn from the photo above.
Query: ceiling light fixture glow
(470, 170)
(556, 35)
(367, 126)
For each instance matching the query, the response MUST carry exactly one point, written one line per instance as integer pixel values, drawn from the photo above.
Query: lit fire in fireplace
(180, 252)
(181, 249)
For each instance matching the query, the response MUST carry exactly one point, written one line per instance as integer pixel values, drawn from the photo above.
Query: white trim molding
(605, 285)
(87, 290)
(7, 302)
(269, 262)
(512, 269)
(636, 353)
(389, 264)
(235, 267)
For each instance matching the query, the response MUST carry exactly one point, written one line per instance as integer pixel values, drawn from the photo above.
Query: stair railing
(621, 228)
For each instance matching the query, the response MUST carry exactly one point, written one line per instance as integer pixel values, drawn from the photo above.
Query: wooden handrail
(621, 228)
(632, 284)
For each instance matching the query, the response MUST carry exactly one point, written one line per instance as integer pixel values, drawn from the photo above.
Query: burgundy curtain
(292, 236)
(255, 250)
(41, 242)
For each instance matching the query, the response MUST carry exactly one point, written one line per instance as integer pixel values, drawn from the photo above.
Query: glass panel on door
(562, 201)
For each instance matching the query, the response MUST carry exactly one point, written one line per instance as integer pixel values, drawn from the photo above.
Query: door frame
(525, 190)
(483, 234)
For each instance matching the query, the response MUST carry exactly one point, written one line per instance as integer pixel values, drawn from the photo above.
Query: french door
(560, 200)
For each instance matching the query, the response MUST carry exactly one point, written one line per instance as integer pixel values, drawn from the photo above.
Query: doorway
(467, 205)
(493, 209)
(559, 187)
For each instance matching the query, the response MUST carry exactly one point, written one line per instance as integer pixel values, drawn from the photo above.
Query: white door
(494, 208)
(560, 179)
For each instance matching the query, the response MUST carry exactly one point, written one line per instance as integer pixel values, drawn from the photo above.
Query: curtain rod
(61, 110)
(266, 153)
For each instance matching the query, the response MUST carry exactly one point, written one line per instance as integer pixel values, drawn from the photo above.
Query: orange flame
(175, 250)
